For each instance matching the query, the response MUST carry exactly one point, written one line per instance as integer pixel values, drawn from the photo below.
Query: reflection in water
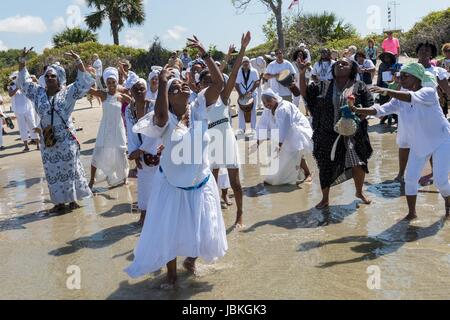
(387, 189)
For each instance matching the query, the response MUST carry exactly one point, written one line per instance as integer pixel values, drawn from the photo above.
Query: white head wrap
(132, 80)
(246, 59)
(58, 71)
(140, 81)
(270, 93)
(154, 73)
(111, 73)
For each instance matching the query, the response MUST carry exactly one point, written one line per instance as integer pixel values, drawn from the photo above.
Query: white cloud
(59, 24)
(175, 33)
(26, 24)
(136, 39)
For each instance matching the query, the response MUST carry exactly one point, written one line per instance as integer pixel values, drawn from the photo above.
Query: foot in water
(189, 265)
(410, 217)
(74, 206)
(364, 199)
(59, 208)
(426, 180)
(322, 205)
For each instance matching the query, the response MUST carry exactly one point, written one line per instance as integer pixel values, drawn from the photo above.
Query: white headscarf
(111, 73)
(132, 80)
(154, 73)
(270, 93)
(140, 81)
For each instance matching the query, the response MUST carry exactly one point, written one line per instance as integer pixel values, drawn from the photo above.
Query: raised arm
(245, 40)
(399, 95)
(217, 82)
(162, 101)
(29, 88)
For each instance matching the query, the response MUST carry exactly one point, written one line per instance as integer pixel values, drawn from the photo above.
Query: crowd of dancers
(176, 128)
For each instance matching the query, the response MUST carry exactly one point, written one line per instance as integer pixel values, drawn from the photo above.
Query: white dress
(291, 128)
(145, 176)
(110, 156)
(181, 222)
(223, 148)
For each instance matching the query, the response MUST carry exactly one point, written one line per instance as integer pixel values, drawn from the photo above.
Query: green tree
(73, 36)
(117, 12)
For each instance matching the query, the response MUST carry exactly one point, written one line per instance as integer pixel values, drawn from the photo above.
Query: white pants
(258, 96)
(241, 116)
(441, 169)
(27, 124)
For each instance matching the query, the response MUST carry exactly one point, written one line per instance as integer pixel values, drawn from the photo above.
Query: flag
(294, 2)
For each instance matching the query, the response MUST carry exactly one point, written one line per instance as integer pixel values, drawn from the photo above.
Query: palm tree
(118, 12)
(73, 36)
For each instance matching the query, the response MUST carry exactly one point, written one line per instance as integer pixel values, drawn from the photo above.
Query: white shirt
(259, 64)
(252, 79)
(275, 68)
(425, 124)
(185, 157)
(98, 66)
(367, 64)
(323, 70)
(439, 72)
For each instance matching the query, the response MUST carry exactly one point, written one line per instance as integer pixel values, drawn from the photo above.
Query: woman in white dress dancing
(185, 218)
(110, 159)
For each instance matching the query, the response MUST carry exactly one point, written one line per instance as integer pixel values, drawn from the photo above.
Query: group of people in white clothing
(176, 128)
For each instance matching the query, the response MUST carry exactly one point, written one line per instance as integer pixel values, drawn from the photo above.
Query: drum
(246, 105)
(285, 78)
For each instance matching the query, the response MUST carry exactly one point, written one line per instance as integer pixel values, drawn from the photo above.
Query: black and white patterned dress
(324, 102)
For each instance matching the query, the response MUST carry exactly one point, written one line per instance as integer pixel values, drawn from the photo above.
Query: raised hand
(376, 89)
(26, 52)
(245, 41)
(195, 43)
(231, 49)
(164, 75)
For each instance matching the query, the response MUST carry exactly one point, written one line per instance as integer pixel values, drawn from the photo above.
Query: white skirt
(179, 223)
(285, 168)
(112, 165)
(145, 182)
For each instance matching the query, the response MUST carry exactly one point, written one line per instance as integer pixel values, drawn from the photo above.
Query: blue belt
(196, 187)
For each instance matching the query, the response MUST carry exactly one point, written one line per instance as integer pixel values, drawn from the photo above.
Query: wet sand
(288, 251)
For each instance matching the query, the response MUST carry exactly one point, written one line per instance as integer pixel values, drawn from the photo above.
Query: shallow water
(287, 251)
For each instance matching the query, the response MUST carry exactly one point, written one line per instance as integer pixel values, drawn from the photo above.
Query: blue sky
(32, 23)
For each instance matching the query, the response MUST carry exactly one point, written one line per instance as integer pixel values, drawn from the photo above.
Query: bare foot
(364, 199)
(308, 179)
(74, 206)
(426, 180)
(400, 179)
(322, 205)
(26, 150)
(223, 205)
(170, 283)
(227, 201)
(239, 219)
(59, 208)
(189, 265)
(141, 220)
(410, 217)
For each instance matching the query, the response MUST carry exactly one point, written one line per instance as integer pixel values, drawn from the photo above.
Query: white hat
(246, 59)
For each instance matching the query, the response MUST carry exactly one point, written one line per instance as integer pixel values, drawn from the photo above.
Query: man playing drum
(277, 68)
(246, 85)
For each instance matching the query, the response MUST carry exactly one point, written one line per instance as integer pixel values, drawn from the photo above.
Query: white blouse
(184, 160)
(424, 122)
